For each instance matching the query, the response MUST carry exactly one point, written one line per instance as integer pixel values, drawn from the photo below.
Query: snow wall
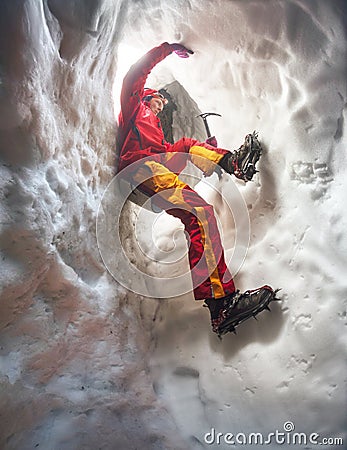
(84, 362)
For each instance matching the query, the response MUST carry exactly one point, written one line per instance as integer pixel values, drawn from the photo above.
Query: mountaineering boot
(242, 162)
(228, 312)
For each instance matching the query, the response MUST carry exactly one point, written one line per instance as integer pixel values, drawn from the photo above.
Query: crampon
(245, 158)
(237, 312)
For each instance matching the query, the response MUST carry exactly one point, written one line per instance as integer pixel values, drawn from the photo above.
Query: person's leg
(210, 275)
(241, 162)
(202, 155)
(211, 278)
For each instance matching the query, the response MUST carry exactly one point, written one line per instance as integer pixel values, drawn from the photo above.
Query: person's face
(156, 105)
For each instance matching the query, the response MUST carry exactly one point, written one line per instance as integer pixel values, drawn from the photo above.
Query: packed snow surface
(86, 362)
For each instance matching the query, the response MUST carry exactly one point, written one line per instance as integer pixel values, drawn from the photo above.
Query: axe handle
(207, 128)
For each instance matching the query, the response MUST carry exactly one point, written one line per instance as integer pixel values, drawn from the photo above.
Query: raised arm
(134, 81)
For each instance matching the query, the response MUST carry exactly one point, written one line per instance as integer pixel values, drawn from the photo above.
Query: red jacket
(140, 132)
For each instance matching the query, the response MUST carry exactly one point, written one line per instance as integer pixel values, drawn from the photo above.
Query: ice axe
(204, 116)
(207, 128)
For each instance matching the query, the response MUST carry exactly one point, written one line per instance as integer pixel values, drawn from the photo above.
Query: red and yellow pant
(210, 275)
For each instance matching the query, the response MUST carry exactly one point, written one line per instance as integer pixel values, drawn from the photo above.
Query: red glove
(181, 50)
(212, 141)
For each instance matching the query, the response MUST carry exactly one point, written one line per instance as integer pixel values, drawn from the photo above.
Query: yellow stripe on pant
(211, 262)
(204, 159)
(161, 180)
